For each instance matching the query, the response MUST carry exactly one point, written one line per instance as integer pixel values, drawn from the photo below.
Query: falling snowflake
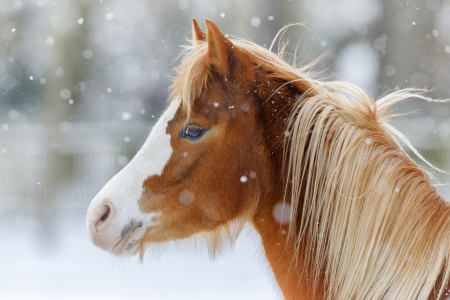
(282, 212)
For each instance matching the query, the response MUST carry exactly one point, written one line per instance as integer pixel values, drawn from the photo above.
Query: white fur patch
(125, 189)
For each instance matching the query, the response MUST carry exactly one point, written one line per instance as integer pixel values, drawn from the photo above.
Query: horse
(314, 166)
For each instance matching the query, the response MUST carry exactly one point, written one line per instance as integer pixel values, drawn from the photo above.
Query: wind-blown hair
(369, 217)
(365, 218)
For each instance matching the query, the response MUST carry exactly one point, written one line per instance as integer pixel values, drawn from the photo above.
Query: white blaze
(125, 189)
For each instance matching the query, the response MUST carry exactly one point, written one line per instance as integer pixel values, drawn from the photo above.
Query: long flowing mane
(364, 215)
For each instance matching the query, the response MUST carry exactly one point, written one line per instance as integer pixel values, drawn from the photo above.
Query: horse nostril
(102, 214)
(106, 214)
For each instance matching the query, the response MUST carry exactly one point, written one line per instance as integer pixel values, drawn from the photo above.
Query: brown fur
(365, 222)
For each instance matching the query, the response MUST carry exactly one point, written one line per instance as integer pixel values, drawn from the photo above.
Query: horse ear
(197, 32)
(219, 48)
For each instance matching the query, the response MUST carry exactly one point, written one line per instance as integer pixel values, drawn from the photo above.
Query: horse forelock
(194, 71)
(191, 75)
(366, 218)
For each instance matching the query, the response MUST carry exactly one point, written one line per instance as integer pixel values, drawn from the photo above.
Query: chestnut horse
(342, 211)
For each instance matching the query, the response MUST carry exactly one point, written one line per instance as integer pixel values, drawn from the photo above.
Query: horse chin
(128, 245)
(126, 250)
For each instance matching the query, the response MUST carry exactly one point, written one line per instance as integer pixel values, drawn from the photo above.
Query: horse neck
(288, 268)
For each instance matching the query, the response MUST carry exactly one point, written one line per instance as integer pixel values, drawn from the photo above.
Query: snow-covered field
(66, 266)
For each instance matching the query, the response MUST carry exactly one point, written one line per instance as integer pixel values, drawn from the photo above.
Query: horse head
(204, 162)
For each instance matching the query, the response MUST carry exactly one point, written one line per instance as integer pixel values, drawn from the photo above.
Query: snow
(244, 179)
(183, 4)
(13, 114)
(255, 21)
(50, 41)
(186, 197)
(282, 212)
(88, 53)
(59, 72)
(389, 70)
(109, 16)
(131, 51)
(245, 107)
(64, 265)
(126, 116)
(65, 94)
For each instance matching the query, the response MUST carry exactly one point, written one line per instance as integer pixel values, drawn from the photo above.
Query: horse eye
(193, 133)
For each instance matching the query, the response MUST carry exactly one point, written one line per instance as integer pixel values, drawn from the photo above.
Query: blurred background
(82, 82)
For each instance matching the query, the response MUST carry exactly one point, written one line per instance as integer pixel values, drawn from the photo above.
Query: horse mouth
(118, 248)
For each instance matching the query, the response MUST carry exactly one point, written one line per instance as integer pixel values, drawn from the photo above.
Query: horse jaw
(126, 224)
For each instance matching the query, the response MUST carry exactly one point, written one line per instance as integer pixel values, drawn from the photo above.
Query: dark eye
(192, 132)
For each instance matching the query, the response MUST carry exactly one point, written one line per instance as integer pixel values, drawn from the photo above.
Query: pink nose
(99, 221)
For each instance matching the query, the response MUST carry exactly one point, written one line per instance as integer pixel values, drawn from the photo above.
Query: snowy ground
(67, 266)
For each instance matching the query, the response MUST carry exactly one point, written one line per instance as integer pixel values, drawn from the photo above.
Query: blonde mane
(370, 218)
(365, 218)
